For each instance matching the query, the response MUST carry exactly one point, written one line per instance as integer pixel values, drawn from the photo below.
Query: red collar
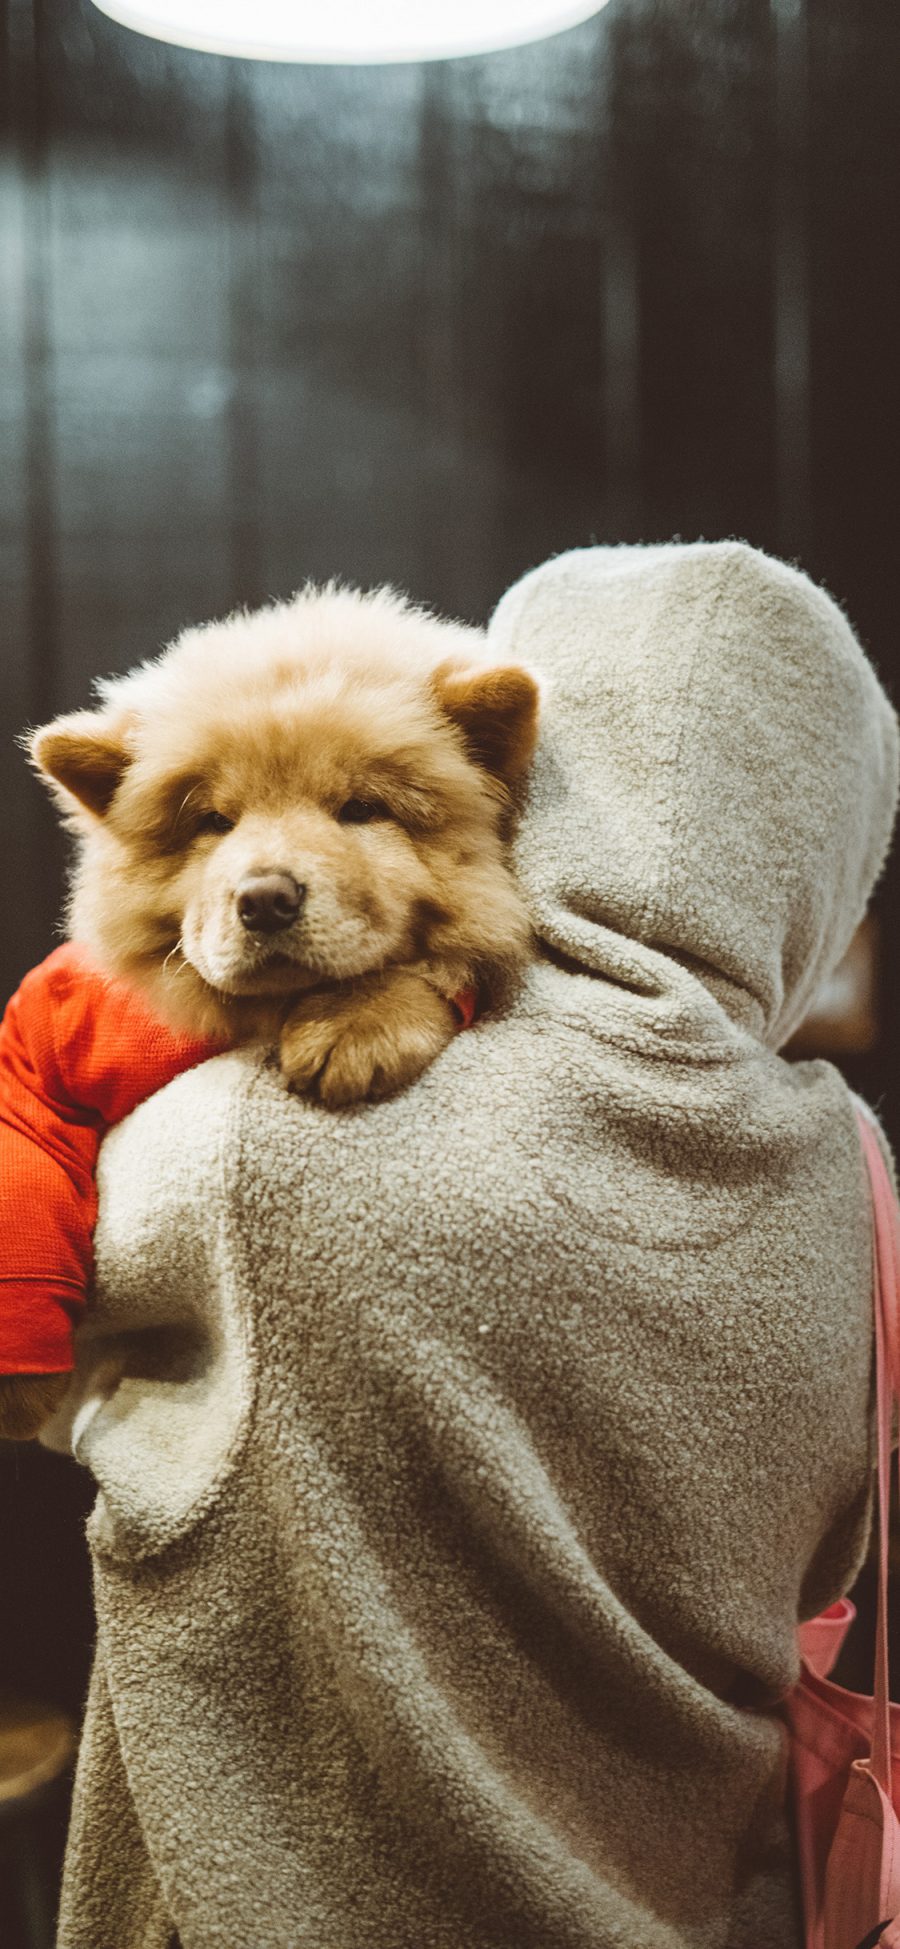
(465, 1007)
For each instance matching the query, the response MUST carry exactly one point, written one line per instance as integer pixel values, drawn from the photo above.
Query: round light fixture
(349, 30)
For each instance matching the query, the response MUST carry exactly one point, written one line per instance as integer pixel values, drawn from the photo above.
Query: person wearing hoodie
(467, 1461)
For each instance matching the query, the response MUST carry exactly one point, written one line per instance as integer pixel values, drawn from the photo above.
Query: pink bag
(845, 1749)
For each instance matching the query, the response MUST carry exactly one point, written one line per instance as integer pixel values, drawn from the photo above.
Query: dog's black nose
(267, 902)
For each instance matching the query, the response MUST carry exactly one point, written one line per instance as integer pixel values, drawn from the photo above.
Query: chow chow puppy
(291, 827)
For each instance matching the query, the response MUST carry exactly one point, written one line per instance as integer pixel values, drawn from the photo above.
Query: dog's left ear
(497, 712)
(83, 757)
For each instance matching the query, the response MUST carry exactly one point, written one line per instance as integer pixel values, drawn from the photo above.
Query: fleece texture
(78, 1052)
(466, 1461)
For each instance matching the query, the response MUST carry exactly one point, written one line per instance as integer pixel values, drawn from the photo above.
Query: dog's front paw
(27, 1401)
(368, 1041)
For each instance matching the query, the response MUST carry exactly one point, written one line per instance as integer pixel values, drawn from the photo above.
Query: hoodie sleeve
(77, 1053)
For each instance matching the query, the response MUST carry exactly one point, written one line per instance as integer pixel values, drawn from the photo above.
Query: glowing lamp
(349, 30)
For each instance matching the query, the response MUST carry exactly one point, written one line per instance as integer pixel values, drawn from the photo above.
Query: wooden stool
(37, 1744)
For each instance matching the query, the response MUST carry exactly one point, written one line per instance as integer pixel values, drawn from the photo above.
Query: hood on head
(716, 776)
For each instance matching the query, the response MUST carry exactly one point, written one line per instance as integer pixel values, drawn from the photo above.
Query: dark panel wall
(427, 324)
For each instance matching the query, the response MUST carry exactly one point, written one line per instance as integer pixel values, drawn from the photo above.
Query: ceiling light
(349, 30)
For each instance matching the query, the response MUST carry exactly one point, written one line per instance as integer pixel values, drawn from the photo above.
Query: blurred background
(424, 324)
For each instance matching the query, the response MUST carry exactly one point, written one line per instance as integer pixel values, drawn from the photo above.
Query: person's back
(477, 1452)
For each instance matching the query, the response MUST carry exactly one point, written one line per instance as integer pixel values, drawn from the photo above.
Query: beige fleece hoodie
(466, 1461)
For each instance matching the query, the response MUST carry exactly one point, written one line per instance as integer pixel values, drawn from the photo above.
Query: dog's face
(257, 824)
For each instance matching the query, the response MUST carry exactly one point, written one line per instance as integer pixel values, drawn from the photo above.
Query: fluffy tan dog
(291, 827)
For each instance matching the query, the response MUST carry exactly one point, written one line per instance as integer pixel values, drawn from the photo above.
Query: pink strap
(886, 1254)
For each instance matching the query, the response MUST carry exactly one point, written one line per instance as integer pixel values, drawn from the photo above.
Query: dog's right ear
(83, 757)
(496, 709)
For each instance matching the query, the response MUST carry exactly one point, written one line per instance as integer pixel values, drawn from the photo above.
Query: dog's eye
(215, 822)
(358, 812)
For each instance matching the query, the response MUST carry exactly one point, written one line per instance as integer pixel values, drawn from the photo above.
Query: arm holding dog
(77, 1053)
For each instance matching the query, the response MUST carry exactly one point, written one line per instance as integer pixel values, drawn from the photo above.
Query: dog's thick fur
(350, 742)
(353, 743)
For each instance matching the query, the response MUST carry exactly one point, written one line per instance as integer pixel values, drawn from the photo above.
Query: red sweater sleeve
(78, 1052)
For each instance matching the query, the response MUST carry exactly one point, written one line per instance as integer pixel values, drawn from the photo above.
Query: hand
(27, 1401)
(368, 1039)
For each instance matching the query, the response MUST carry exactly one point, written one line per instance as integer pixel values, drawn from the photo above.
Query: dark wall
(430, 324)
